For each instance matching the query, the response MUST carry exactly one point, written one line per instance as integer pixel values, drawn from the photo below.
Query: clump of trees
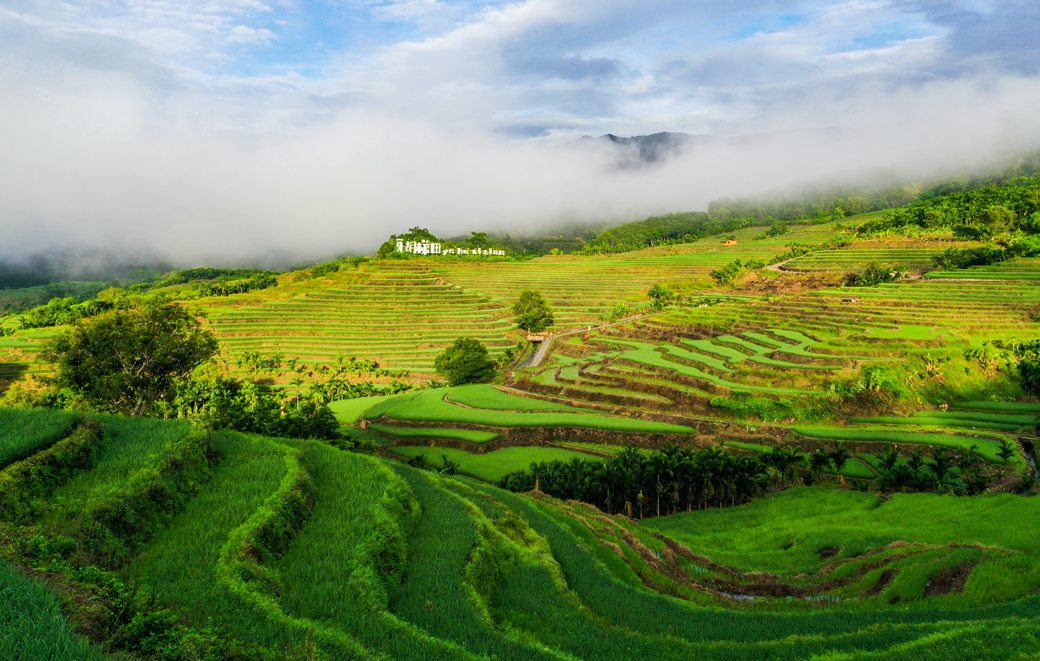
(532, 312)
(638, 484)
(465, 361)
(619, 311)
(727, 215)
(144, 360)
(125, 361)
(661, 296)
(875, 274)
(227, 403)
(960, 471)
(971, 211)
(661, 230)
(389, 247)
(61, 311)
(1018, 358)
(230, 287)
(728, 274)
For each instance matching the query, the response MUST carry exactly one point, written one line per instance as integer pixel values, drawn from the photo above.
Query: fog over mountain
(233, 133)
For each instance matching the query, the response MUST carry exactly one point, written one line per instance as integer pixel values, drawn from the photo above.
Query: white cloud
(119, 129)
(242, 34)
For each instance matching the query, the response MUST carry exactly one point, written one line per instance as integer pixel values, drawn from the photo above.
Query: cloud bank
(192, 137)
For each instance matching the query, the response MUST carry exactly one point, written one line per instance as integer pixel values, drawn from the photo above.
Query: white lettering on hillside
(426, 248)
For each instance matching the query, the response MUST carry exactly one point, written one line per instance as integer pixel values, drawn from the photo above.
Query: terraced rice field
(480, 414)
(914, 255)
(1027, 269)
(296, 549)
(380, 313)
(378, 319)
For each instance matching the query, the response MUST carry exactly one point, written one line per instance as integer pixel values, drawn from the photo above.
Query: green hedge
(122, 520)
(24, 483)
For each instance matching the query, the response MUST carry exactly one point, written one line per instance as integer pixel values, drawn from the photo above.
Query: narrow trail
(535, 359)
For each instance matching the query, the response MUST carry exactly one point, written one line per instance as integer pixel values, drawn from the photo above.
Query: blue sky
(531, 67)
(208, 129)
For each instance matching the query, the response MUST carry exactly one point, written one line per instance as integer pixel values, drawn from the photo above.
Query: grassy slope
(785, 533)
(491, 466)
(431, 406)
(477, 580)
(32, 625)
(23, 432)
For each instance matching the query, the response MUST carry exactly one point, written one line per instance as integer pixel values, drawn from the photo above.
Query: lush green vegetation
(23, 432)
(32, 625)
(465, 361)
(532, 312)
(726, 452)
(436, 406)
(350, 557)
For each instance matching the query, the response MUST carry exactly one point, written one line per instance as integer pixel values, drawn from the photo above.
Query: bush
(465, 361)
(532, 312)
(661, 296)
(876, 274)
(127, 360)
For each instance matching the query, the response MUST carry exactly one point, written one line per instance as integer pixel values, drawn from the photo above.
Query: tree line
(639, 483)
(153, 358)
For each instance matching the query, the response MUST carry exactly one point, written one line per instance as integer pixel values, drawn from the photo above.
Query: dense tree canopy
(465, 361)
(124, 361)
(532, 312)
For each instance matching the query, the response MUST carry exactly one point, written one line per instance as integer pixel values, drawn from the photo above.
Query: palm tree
(818, 462)
(839, 457)
(1006, 451)
(940, 465)
(889, 460)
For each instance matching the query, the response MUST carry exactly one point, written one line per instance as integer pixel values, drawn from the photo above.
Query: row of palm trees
(639, 483)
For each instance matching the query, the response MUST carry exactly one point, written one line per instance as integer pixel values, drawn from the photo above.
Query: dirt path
(538, 356)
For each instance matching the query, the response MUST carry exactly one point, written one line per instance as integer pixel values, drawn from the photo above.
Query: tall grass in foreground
(128, 444)
(24, 431)
(180, 564)
(346, 562)
(32, 626)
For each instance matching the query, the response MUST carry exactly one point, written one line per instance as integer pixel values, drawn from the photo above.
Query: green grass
(647, 354)
(349, 411)
(430, 406)
(329, 572)
(32, 625)
(785, 532)
(128, 444)
(491, 466)
(483, 396)
(987, 443)
(432, 594)
(180, 563)
(24, 431)
(467, 435)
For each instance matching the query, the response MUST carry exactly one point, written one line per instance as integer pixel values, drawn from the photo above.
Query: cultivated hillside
(165, 542)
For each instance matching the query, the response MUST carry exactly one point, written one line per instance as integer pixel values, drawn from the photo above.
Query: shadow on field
(9, 373)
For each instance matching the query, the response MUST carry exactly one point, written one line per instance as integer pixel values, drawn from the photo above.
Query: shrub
(465, 361)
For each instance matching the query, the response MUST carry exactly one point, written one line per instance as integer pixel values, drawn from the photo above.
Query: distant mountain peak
(641, 150)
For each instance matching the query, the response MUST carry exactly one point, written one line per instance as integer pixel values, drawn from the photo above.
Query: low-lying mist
(105, 166)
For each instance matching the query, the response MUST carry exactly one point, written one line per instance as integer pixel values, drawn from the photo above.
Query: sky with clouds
(164, 123)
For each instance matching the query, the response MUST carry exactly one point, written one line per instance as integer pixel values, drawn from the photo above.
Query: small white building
(425, 247)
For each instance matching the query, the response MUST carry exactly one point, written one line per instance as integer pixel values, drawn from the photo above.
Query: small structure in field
(537, 337)
(425, 247)
(730, 243)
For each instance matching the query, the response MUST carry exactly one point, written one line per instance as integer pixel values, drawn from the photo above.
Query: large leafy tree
(125, 361)
(465, 361)
(532, 312)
